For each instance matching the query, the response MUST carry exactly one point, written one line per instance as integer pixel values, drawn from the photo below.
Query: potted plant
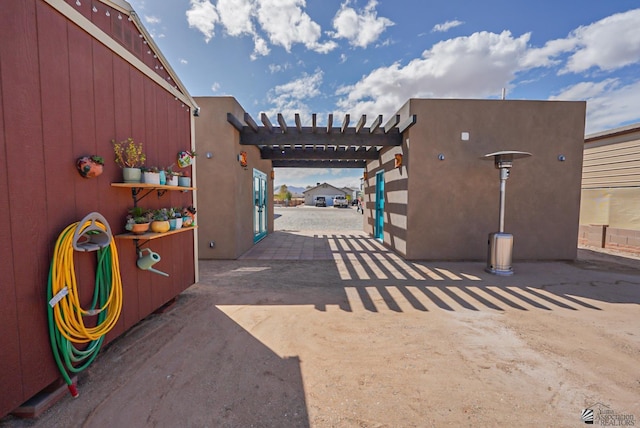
(172, 176)
(130, 157)
(175, 218)
(160, 223)
(184, 181)
(138, 220)
(151, 175)
(90, 166)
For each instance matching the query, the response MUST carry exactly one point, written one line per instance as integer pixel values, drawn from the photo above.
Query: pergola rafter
(314, 147)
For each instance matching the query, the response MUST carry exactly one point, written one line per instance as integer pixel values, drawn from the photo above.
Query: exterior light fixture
(273, 174)
(398, 160)
(242, 158)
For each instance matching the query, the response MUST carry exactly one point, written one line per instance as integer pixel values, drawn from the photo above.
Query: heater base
(499, 254)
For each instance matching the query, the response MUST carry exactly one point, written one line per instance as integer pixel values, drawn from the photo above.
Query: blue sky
(370, 56)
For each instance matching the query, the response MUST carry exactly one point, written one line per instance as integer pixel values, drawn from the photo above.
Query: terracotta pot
(160, 226)
(140, 228)
(88, 168)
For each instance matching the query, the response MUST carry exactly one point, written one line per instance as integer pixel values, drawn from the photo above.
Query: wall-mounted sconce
(365, 175)
(398, 160)
(441, 156)
(242, 158)
(273, 174)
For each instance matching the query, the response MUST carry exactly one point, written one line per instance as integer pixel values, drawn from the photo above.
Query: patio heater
(500, 243)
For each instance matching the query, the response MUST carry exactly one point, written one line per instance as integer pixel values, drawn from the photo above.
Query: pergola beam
(391, 123)
(376, 124)
(235, 122)
(298, 123)
(345, 123)
(361, 122)
(266, 122)
(307, 137)
(318, 164)
(282, 123)
(250, 122)
(407, 123)
(311, 154)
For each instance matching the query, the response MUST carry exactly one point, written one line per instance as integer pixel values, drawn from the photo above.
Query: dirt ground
(300, 344)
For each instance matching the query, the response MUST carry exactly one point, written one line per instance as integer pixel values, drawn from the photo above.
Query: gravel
(317, 218)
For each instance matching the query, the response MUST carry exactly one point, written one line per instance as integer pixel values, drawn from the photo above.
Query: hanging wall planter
(90, 166)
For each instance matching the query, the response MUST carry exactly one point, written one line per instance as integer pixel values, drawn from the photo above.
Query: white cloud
(479, 65)
(291, 97)
(151, 19)
(283, 22)
(202, 16)
(608, 44)
(446, 26)
(235, 15)
(183, 61)
(360, 29)
(276, 68)
(215, 87)
(302, 177)
(609, 103)
(286, 23)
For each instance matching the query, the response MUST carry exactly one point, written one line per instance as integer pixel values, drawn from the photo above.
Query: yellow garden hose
(66, 316)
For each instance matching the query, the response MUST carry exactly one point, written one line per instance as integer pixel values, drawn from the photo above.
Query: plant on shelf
(130, 157)
(138, 220)
(175, 218)
(151, 175)
(160, 223)
(172, 176)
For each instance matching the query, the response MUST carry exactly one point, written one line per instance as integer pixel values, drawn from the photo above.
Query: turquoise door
(378, 229)
(259, 205)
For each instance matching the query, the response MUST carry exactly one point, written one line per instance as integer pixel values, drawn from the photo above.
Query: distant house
(324, 189)
(351, 193)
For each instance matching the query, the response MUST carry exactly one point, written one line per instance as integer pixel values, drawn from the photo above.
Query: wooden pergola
(320, 147)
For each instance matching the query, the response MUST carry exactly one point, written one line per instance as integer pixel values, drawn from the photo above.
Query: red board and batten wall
(64, 94)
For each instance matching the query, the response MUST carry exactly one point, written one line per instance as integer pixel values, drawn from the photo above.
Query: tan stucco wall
(225, 200)
(452, 205)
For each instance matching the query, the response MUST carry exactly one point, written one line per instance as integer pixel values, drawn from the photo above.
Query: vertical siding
(65, 95)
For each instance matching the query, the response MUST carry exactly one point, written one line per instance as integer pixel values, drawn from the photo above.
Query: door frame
(259, 205)
(378, 224)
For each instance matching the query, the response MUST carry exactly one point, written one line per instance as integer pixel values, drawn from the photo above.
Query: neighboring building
(610, 203)
(324, 189)
(351, 193)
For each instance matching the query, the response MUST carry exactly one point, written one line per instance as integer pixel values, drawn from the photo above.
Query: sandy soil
(295, 344)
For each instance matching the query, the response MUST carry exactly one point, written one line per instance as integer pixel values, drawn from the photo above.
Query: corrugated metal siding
(612, 165)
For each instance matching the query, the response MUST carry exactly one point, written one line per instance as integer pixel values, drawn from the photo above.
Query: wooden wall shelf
(151, 235)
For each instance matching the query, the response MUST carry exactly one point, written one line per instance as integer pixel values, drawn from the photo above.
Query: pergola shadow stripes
(320, 147)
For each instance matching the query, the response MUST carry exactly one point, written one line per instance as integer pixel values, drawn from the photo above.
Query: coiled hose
(67, 318)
